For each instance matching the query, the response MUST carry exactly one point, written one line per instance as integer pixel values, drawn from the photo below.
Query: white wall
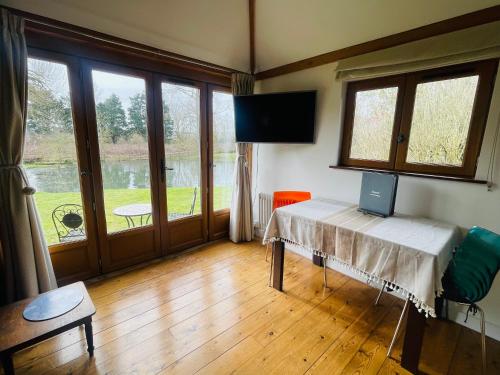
(291, 30)
(305, 167)
(211, 30)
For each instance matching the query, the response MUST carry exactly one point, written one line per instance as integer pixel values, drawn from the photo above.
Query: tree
(47, 113)
(111, 119)
(168, 123)
(137, 116)
(64, 114)
(49, 107)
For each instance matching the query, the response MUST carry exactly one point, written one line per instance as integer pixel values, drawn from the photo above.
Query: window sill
(410, 174)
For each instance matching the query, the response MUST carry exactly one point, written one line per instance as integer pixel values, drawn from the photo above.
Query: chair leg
(398, 327)
(483, 338)
(380, 293)
(271, 268)
(267, 250)
(325, 283)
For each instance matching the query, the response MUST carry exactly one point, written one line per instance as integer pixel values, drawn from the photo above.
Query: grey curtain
(25, 260)
(241, 221)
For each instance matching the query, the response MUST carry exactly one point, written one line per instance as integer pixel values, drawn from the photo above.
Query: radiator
(265, 210)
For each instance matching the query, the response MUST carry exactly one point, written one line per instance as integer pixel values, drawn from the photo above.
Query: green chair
(471, 272)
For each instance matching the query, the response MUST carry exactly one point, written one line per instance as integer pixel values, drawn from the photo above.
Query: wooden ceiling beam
(251, 15)
(465, 21)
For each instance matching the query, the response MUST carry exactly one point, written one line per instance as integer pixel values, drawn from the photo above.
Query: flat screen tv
(275, 118)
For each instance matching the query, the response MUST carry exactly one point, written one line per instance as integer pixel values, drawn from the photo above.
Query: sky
(123, 86)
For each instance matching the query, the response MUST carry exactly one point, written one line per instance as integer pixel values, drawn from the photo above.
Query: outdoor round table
(134, 210)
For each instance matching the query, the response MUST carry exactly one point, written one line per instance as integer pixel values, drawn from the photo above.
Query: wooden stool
(17, 333)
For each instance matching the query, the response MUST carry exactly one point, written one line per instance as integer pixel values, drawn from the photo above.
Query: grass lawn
(179, 201)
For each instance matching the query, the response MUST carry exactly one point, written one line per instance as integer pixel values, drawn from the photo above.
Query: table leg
(8, 364)
(317, 260)
(278, 264)
(90, 337)
(414, 335)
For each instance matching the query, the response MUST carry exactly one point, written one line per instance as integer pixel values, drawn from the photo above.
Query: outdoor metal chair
(178, 215)
(68, 221)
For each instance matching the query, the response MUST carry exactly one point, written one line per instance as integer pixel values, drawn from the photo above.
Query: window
(122, 129)
(224, 149)
(429, 122)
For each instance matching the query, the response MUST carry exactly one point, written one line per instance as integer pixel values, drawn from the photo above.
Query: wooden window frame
(407, 84)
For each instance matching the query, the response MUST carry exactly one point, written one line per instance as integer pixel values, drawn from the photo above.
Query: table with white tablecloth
(409, 254)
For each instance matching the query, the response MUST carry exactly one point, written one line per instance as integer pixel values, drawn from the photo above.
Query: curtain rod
(118, 41)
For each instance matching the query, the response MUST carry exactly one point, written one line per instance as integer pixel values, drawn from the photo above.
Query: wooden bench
(17, 333)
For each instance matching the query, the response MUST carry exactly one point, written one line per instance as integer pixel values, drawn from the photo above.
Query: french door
(132, 165)
(57, 164)
(122, 142)
(182, 149)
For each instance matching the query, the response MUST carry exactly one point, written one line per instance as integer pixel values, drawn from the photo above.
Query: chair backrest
(68, 221)
(284, 198)
(472, 270)
(195, 192)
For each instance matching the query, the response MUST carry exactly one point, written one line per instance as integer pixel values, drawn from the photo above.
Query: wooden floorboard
(211, 312)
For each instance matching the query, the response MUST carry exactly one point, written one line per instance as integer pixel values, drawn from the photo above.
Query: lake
(131, 174)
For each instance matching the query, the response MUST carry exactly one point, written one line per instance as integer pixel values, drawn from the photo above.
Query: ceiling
(291, 30)
(217, 30)
(211, 30)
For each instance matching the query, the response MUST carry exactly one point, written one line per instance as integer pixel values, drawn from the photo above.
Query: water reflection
(125, 174)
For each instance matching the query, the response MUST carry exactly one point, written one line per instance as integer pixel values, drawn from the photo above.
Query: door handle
(162, 170)
(169, 169)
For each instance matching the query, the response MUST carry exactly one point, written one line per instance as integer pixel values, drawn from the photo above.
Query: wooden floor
(211, 312)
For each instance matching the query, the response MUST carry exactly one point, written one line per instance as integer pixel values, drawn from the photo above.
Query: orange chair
(284, 198)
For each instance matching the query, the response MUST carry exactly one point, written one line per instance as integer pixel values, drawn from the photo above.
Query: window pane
(181, 126)
(50, 152)
(441, 121)
(224, 148)
(123, 146)
(373, 123)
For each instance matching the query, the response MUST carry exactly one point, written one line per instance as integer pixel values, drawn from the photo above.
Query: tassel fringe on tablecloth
(372, 279)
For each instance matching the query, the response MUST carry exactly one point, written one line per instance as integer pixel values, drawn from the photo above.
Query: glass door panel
(122, 128)
(224, 149)
(181, 129)
(50, 155)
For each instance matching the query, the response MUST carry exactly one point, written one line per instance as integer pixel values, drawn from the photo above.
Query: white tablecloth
(410, 253)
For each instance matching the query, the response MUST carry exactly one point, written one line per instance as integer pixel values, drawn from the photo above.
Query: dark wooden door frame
(104, 237)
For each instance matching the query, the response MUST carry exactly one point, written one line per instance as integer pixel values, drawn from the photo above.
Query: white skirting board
(456, 312)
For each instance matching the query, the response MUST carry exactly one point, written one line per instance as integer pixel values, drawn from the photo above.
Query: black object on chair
(68, 221)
